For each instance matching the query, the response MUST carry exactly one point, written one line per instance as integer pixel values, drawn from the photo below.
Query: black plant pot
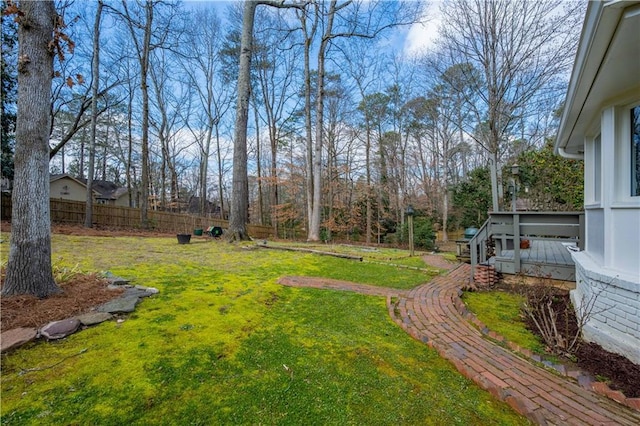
(184, 238)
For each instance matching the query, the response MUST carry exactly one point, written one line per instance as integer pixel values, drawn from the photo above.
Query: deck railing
(507, 229)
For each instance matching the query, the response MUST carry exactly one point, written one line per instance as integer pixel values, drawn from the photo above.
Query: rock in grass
(120, 305)
(115, 280)
(94, 318)
(151, 290)
(136, 292)
(60, 329)
(16, 337)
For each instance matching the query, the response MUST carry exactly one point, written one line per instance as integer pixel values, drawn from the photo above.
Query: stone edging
(55, 330)
(584, 379)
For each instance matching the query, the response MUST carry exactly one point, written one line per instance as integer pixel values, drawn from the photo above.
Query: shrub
(423, 233)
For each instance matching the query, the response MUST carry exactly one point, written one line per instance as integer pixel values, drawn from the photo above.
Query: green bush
(423, 233)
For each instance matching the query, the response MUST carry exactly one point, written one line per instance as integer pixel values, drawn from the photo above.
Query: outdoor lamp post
(513, 189)
(409, 213)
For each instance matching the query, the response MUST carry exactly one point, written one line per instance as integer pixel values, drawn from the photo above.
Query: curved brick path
(431, 313)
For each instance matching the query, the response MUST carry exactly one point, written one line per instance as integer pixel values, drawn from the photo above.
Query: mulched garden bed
(79, 294)
(617, 371)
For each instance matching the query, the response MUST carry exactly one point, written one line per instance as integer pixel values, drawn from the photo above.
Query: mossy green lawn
(500, 312)
(223, 343)
(368, 254)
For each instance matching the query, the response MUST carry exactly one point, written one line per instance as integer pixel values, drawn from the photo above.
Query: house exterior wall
(68, 189)
(608, 270)
(122, 201)
(611, 302)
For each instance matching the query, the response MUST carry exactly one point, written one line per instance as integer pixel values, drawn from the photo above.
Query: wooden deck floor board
(542, 251)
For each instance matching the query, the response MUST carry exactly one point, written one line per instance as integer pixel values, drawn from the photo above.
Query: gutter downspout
(566, 154)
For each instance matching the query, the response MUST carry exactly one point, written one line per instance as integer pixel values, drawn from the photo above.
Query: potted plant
(185, 236)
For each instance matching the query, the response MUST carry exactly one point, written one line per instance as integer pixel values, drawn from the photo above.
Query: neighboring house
(601, 124)
(211, 209)
(69, 188)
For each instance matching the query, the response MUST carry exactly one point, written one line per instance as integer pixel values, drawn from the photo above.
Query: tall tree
(363, 66)
(29, 269)
(275, 73)
(95, 85)
(361, 19)
(239, 212)
(143, 49)
(202, 65)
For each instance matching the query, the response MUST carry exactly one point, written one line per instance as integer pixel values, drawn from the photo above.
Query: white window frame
(622, 180)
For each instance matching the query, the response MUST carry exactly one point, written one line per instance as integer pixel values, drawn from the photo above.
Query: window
(635, 151)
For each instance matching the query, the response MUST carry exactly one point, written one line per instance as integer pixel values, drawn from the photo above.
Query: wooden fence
(106, 216)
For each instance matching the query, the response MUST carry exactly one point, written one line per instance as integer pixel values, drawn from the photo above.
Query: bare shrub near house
(559, 323)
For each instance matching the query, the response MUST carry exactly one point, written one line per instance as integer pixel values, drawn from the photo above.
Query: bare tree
(275, 74)
(170, 97)
(29, 269)
(239, 212)
(143, 49)
(201, 63)
(363, 66)
(95, 84)
(348, 18)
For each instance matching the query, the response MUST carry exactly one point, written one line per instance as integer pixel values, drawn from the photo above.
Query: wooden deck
(544, 259)
(549, 233)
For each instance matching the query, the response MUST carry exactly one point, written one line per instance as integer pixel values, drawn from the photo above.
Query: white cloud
(421, 36)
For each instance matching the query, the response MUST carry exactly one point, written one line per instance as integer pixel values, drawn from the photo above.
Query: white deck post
(516, 243)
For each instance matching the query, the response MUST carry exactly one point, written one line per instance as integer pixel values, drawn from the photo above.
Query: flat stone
(94, 318)
(151, 290)
(121, 304)
(60, 329)
(16, 337)
(115, 280)
(135, 292)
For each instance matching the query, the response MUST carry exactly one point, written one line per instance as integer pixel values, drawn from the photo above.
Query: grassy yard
(500, 312)
(223, 343)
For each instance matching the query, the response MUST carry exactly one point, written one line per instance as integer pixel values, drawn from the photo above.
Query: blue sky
(408, 40)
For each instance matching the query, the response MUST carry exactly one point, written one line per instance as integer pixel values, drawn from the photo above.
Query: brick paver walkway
(431, 314)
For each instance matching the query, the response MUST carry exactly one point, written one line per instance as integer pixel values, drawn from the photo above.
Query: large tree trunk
(309, 133)
(204, 170)
(240, 193)
(144, 71)
(143, 57)
(368, 182)
(314, 220)
(29, 267)
(95, 83)
(220, 171)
